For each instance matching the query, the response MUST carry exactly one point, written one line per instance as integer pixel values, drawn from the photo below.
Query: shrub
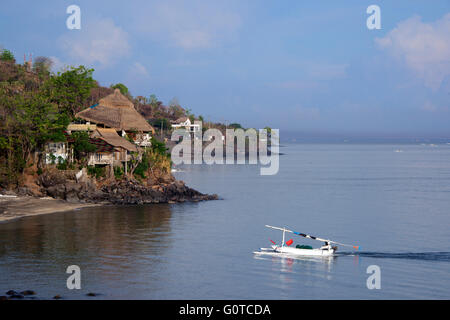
(81, 144)
(62, 164)
(96, 171)
(118, 172)
(52, 158)
(142, 167)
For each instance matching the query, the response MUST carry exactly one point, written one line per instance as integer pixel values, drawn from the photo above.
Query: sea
(391, 200)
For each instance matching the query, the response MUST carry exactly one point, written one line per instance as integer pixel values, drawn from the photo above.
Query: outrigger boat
(326, 250)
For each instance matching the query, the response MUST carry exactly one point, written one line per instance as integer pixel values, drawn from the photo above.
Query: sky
(299, 66)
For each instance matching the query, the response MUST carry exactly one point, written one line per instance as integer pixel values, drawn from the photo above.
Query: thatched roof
(101, 145)
(111, 137)
(180, 120)
(116, 111)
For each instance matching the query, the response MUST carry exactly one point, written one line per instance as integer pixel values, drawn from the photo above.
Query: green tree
(71, 89)
(123, 89)
(160, 123)
(28, 120)
(7, 55)
(158, 147)
(42, 65)
(82, 145)
(235, 126)
(153, 99)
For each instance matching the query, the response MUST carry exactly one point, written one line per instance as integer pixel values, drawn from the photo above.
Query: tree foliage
(70, 89)
(159, 147)
(123, 88)
(81, 144)
(7, 55)
(42, 66)
(160, 123)
(28, 120)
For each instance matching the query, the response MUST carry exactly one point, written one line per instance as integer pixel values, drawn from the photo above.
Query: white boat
(326, 250)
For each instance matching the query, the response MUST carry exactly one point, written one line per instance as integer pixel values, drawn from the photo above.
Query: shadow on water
(429, 256)
(99, 233)
(114, 246)
(288, 261)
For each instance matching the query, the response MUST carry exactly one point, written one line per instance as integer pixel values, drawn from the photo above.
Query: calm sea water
(395, 205)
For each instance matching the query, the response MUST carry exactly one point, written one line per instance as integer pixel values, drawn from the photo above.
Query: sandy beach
(12, 208)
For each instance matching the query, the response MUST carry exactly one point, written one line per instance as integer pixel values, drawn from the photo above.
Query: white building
(56, 151)
(185, 122)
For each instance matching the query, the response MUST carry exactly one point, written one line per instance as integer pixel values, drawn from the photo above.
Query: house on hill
(185, 122)
(114, 127)
(112, 120)
(115, 111)
(121, 147)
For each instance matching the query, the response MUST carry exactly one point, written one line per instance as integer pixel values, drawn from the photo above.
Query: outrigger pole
(311, 237)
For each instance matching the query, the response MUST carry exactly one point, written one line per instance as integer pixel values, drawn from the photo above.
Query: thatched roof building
(117, 112)
(110, 136)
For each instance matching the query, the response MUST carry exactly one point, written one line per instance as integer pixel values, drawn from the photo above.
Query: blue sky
(306, 66)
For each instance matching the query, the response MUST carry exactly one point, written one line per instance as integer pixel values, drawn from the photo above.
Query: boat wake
(430, 256)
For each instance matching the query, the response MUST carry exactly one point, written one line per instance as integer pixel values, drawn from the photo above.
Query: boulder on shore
(124, 192)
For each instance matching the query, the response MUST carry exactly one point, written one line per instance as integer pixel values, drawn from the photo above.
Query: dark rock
(51, 178)
(16, 296)
(11, 292)
(126, 192)
(73, 187)
(8, 192)
(57, 297)
(57, 191)
(91, 294)
(28, 293)
(24, 191)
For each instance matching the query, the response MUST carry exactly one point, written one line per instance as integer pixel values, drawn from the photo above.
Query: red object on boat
(289, 242)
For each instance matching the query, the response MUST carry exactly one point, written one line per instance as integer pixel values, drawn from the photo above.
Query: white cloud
(57, 65)
(139, 70)
(100, 42)
(424, 48)
(188, 25)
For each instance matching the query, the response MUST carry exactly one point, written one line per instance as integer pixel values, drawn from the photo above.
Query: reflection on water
(297, 264)
(106, 229)
(111, 241)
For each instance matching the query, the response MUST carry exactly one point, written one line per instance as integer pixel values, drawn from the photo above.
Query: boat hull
(305, 252)
(299, 252)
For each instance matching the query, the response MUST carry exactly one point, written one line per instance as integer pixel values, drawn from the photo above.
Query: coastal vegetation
(36, 107)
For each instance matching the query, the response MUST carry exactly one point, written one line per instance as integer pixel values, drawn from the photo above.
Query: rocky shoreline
(126, 192)
(56, 192)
